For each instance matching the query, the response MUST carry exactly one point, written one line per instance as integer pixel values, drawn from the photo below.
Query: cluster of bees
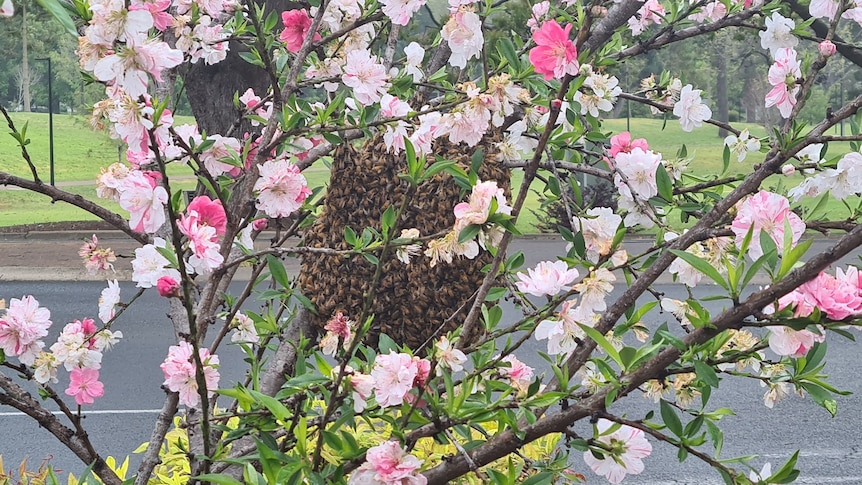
(412, 302)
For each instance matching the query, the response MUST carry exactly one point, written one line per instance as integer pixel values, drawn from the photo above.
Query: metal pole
(50, 119)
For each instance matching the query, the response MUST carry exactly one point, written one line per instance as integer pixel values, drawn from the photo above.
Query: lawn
(80, 152)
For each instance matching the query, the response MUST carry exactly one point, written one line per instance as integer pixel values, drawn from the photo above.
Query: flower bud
(826, 48)
(556, 104)
(259, 224)
(168, 287)
(788, 170)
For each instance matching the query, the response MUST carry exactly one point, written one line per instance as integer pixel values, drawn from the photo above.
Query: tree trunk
(25, 64)
(721, 89)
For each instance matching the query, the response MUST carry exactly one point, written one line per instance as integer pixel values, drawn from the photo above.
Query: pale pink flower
(778, 34)
(401, 11)
(363, 389)
(149, 265)
(75, 347)
(224, 149)
(281, 188)
(742, 144)
(477, 210)
(594, 288)
(463, 32)
(168, 287)
(563, 333)
(413, 63)
(244, 329)
(7, 9)
(650, 13)
(555, 54)
(782, 76)
(388, 464)
(179, 371)
(846, 178)
(108, 300)
(366, 76)
(111, 21)
(45, 368)
(598, 230)
(449, 356)
(447, 247)
(823, 8)
(639, 168)
(207, 41)
(712, 11)
(827, 48)
(628, 446)
(467, 123)
(22, 329)
(297, 23)
(547, 278)
(95, 258)
(109, 182)
(203, 242)
(394, 375)
(84, 386)
(792, 343)
(338, 328)
(768, 212)
(128, 67)
(539, 12)
(520, 374)
(690, 108)
(405, 252)
(396, 131)
(145, 201)
(158, 9)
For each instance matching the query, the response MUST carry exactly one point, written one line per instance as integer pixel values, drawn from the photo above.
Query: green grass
(80, 153)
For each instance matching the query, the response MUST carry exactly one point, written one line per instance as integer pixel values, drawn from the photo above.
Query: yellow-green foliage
(174, 467)
(120, 470)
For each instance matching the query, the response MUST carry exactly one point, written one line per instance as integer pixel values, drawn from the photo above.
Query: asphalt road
(122, 420)
(831, 451)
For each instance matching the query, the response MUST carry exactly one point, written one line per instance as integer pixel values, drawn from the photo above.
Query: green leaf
(276, 269)
(603, 343)
(468, 233)
(664, 183)
(792, 255)
(216, 478)
(507, 50)
(278, 410)
(725, 159)
(436, 168)
(706, 373)
(786, 473)
(58, 12)
(701, 265)
(671, 420)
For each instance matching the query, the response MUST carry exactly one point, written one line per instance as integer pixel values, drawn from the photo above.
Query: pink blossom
(448, 355)
(128, 67)
(396, 131)
(363, 388)
(823, 8)
(827, 48)
(639, 168)
(245, 331)
(95, 258)
(207, 41)
(463, 32)
(224, 149)
(111, 21)
(7, 9)
(209, 213)
(477, 210)
(203, 242)
(768, 212)
(158, 9)
(401, 11)
(782, 76)
(555, 54)
(628, 446)
(388, 464)
(338, 329)
(712, 11)
(22, 329)
(168, 287)
(84, 386)
(547, 278)
(394, 376)
(150, 265)
(650, 13)
(145, 200)
(792, 343)
(778, 34)
(259, 224)
(297, 23)
(838, 297)
(75, 347)
(281, 188)
(623, 143)
(598, 230)
(179, 371)
(539, 12)
(519, 373)
(366, 76)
